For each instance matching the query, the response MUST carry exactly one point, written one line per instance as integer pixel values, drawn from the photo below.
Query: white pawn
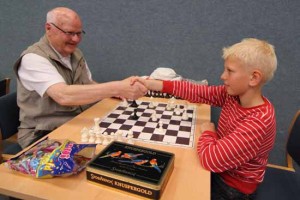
(105, 139)
(96, 125)
(130, 132)
(119, 134)
(177, 110)
(153, 117)
(185, 115)
(129, 139)
(110, 138)
(98, 138)
(151, 105)
(160, 129)
(172, 102)
(84, 135)
(169, 107)
(92, 139)
(113, 136)
(125, 103)
(91, 133)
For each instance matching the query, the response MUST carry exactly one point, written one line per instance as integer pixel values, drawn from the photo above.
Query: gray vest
(38, 114)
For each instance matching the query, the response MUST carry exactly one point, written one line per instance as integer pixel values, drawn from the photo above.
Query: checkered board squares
(176, 131)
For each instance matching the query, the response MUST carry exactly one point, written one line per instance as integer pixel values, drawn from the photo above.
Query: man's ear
(256, 78)
(47, 26)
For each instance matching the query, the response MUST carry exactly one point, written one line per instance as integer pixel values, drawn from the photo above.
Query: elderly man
(54, 81)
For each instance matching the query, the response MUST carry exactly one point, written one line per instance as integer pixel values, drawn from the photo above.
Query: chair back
(4, 86)
(9, 115)
(293, 143)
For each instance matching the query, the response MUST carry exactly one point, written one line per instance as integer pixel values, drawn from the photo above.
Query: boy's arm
(231, 151)
(155, 85)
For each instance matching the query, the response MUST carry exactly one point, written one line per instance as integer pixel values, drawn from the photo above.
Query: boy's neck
(251, 99)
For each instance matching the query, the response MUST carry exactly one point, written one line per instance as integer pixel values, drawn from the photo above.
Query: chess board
(176, 131)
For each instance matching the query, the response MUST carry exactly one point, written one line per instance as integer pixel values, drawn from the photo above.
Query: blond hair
(256, 54)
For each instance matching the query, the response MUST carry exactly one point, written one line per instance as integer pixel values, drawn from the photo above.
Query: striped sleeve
(196, 93)
(236, 148)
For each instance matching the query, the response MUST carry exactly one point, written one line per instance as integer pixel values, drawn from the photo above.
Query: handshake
(139, 86)
(135, 87)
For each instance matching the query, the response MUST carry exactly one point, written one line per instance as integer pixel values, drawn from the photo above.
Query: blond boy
(237, 152)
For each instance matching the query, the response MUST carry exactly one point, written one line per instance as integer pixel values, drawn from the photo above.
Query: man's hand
(150, 84)
(132, 89)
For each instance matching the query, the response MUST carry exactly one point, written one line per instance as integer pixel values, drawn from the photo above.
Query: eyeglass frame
(69, 33)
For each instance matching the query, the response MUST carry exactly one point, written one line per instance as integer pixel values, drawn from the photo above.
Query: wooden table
(188, 180)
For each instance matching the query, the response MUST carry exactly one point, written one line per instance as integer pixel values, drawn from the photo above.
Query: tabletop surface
(187, 181)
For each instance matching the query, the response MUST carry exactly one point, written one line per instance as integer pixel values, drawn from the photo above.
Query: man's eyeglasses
(79, 34)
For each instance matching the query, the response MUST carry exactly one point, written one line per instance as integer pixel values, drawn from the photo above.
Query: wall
(133, 37)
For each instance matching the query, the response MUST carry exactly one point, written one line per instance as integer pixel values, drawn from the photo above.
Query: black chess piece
(134, 104)
(134, 116)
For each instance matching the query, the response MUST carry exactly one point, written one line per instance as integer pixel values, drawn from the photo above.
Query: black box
(135, 169)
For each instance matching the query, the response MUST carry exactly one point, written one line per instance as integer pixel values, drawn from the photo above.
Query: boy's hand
(134, 79)
(208, 126)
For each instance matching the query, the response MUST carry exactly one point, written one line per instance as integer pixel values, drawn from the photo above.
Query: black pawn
(134, 116)
(134, 104)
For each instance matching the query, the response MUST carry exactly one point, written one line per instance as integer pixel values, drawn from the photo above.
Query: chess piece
(177, 110)
(172, 102)
(130, 137)
(125, 103)
(98, 138)
(185, 115)
(160, 129)
(151, 104)
(96, 125)
(84, 135)
(119, 136)
(92, 139)
(134, 115)
(169, 107)
(105, 139)
(153, 117)
(134, 104)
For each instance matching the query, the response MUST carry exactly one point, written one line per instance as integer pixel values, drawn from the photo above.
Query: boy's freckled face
(235, 76)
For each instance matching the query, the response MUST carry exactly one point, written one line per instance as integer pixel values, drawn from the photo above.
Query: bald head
(62, 15)
(63, 30)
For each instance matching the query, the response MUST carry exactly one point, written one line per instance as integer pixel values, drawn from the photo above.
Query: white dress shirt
(38, 74)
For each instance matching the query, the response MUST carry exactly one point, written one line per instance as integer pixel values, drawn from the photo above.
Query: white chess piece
(153, 117)
(119, 134)
(130, 140)
(129, 137)
(169, 107)
(172, 102)
(177, 110)
(160, 128)
(92, 139)
(96, 125)
(105, 139)
(185, 115)
(113, 136)
(98, 138)
(151, 105)
(130, 132)
(84, 135)
(125, 103)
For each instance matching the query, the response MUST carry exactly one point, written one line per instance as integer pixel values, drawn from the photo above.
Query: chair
(284, 182)
(4, 86)
(9, 123)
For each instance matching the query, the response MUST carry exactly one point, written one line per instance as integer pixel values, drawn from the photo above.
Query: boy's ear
(256, 78)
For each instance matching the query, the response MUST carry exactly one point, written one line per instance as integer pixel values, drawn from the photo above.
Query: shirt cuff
(168, 87)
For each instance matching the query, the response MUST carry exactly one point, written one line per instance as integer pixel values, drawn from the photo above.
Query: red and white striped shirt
(240, 148)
